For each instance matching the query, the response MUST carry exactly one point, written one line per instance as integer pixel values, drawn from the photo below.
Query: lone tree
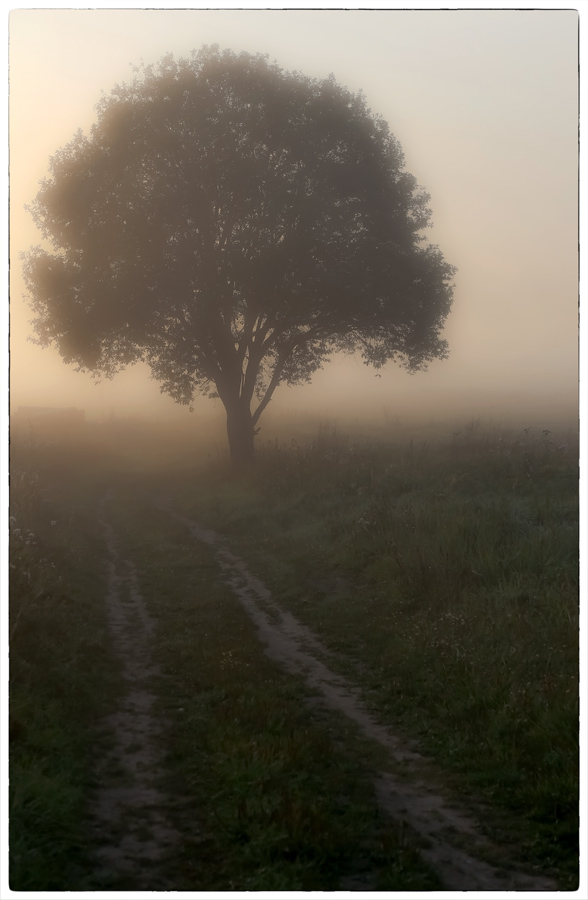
(232, 225)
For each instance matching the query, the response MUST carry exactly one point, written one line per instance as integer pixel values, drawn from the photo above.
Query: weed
(460, 611)
(61, 674)
(443, 569)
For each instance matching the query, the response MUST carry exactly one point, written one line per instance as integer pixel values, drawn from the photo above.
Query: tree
(233, 225)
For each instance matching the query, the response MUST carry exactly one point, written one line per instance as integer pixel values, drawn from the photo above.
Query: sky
(485, 106)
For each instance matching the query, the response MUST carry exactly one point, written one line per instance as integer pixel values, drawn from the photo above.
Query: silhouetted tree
(232, 225)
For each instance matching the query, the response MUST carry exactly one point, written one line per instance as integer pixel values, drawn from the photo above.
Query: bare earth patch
(132, 834)
(452, 840)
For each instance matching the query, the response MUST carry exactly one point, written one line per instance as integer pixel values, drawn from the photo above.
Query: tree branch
(279, 368)
(274, 382)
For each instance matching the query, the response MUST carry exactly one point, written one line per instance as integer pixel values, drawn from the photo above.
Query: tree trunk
(241, 433)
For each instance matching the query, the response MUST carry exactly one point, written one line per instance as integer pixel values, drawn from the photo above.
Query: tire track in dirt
(453, 841)
(130, 830)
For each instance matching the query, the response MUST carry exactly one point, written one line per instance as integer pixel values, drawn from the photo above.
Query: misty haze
(294, 449)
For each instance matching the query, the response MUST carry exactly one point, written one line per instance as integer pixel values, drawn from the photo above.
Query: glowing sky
(485, 106)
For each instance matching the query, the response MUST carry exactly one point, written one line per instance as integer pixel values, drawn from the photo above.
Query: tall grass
(447, 570)
(263, 797)
(444, 568)
(60, 672)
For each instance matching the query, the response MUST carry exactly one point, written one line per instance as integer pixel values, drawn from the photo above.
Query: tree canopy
(233, 225)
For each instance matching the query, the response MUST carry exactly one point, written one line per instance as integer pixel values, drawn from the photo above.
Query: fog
(485, 106)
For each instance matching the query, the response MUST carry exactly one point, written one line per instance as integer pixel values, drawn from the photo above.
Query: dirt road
(134, 834)
(454, 844)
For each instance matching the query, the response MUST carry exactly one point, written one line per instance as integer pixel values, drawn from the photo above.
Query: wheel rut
(131, 835)
(452, 840)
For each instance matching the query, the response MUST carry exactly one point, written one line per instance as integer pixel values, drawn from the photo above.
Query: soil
(132, 833)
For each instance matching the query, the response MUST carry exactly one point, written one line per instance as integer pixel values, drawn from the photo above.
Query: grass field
(443, 567)
(61, 670)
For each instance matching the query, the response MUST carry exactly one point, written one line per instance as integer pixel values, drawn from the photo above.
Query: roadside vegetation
(268, 794)
(444, 568)
(61, 673)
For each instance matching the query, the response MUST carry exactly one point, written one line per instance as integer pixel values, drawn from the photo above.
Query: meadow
(440, 563)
